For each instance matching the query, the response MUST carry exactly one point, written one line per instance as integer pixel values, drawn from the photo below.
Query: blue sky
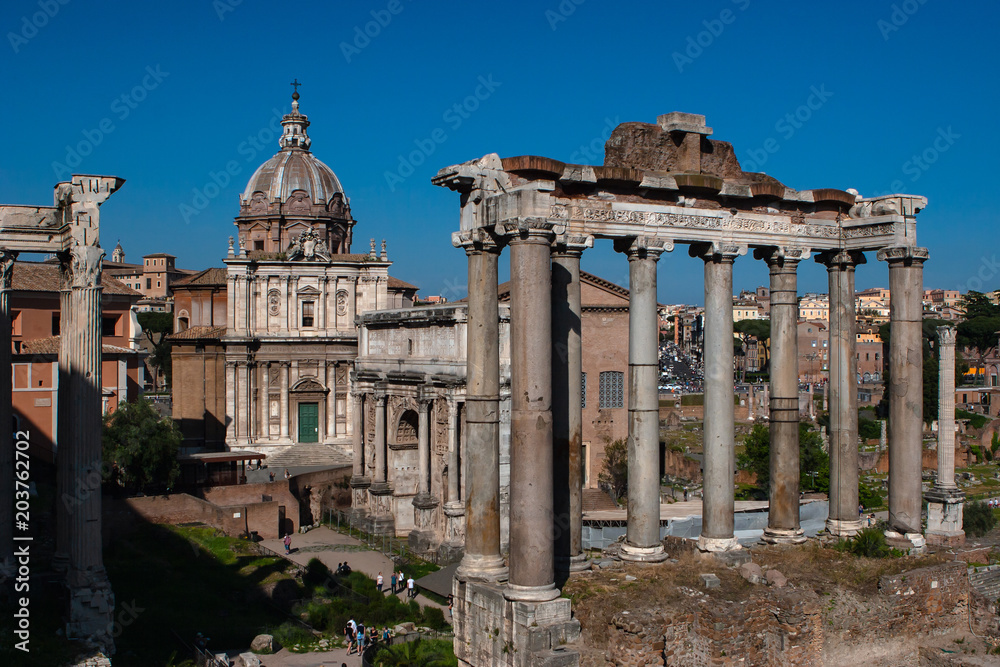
(903, 95)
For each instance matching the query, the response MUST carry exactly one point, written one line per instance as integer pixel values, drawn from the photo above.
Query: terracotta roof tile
(396, 283)
(196, 333)
(212, 276)
(50, 345)
(44, 277)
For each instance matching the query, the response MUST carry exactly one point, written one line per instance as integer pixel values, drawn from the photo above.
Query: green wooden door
(308, 422)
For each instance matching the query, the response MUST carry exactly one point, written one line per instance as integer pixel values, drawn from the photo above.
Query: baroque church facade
(268, 366)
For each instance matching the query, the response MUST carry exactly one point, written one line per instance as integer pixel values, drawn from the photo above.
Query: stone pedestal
(359, 496)
(380, 519)
(423, 539)
(493, 631)
(944, 517)
(453, 546)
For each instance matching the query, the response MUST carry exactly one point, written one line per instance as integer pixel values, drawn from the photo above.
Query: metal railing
(396, 550)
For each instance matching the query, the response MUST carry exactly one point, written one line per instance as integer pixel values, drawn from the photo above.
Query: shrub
(869, 496)
(868, 543)
(434, 618)
(289, 634)
(978, 518)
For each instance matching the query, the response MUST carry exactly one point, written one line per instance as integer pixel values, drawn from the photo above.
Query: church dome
(294, 167)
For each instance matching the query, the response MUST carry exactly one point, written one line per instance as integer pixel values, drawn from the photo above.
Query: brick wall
(930, 600)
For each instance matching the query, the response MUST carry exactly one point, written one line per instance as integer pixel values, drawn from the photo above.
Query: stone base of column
(944, 516)
(532, 634)
(359, 494)
(718, 544)
(842, 528)
(516, 593)
(634, 554)
(475, 567)
(92, 614)
(380, 520)
(783, 536)
(579, 563)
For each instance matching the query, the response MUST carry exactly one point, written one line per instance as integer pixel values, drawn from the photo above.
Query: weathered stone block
(711, 581)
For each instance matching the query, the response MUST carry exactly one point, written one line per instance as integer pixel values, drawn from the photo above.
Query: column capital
(841, 258)
(7, 259)
(644, 247)
(946, 336)
(475, 241)
(903, 254)
(379, 398)
(782, 256)
(86, 262)
(717, 251)
(571, 246)
(424, 404)
(527, 230)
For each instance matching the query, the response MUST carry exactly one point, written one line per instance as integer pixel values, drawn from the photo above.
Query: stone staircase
(309, 455)
(595, 500)
(986, 580)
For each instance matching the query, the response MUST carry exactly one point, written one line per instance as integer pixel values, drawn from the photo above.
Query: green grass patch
(976, 421)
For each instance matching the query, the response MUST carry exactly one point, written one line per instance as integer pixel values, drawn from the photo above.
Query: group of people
(397, 584)
(359, 637)
(993, 503)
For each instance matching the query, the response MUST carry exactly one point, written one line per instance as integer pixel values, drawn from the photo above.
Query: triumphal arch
(661, 186)
(69, 229)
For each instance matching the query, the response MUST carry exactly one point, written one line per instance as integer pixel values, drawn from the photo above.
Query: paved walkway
(332, 548)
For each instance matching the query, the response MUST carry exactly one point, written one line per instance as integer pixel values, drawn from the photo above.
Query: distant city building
(36, 328)
(814, 307)
(814, 350)
(153, 278)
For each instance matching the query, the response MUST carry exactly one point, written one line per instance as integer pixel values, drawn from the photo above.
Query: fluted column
(945, 500)
(357, 437)
(64, 434)
(454, 461)
(642, 539)
(380, 441)
(567, 412)
(783, 507)
(7, 259)
(720, 457)
(286, 368)
(906, 409)
(264, 433)
(843, 519)
(482, 560)
(231, 407)
(331, 400)
(946, 407)
(532, 555)
(423, 447)
(242, 399)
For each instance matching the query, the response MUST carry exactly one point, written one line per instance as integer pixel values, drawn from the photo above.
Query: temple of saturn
(70, 230)
(661, 185)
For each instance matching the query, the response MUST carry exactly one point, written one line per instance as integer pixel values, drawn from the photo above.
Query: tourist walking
(378, 582)
(288, 543)
(392, 582)
(410, 587)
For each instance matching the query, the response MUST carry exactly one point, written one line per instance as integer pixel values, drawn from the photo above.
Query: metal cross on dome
(296, 84)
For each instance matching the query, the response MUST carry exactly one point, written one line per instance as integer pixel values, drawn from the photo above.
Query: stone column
(454, 461)
(64, 435)
(423, 447)
(264, 433)
(906, 414)
(720, 458)
(359, 481)
(944, 501)
(567, 411)
(231, 408)
(242, 401)
(7, 259)
(532, 554)
(642, 539)
(454, 509)
(286, 368)
(482, 560)
(91, 599)
(843, 519)
(783, 508)
(331, 400)
(380, 440)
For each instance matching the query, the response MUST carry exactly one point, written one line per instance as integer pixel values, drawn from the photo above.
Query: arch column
(642, 540)
(454, 508)
(843, 519)
(359, 482)
(567, 411)
(286, 369)
(783, 508)
(532, 553)
(906, 384)
(423, 538)
(381, 521)
(482, 560)
(718, 503)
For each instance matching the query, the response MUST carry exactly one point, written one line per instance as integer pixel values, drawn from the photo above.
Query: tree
(814, 464)
(156, 326)
(140, 448)
(760, 330)
(928, 330)
(614, 470)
